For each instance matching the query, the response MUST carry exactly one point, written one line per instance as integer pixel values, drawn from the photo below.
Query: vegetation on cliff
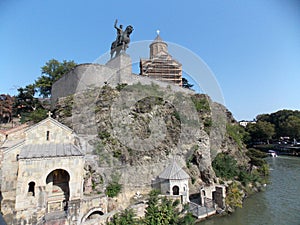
(160, 211)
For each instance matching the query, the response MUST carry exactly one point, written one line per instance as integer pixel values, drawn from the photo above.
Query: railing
(202, 211)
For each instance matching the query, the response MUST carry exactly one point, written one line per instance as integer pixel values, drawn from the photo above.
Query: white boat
(272, 153)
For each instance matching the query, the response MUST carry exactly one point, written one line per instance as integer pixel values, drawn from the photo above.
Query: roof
(174, 172)
(11, 143)
(49, 150)
(53, 121)
(158, 38)
(14, 129)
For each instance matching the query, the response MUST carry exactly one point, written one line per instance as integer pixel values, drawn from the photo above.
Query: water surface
(279, 204)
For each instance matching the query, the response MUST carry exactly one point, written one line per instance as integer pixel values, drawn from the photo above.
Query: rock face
(134, 131)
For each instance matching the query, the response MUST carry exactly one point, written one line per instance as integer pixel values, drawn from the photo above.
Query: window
(31, 188)
(47, 135)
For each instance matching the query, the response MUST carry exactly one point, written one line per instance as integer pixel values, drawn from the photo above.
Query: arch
(48, 171)
(92, 213)
(57, 185)
(175, 190)
(31, 188)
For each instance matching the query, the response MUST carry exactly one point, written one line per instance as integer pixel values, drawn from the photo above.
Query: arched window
(175, 190)
(31, 186)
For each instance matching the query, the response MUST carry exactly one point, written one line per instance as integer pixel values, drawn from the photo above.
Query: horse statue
(121, 44)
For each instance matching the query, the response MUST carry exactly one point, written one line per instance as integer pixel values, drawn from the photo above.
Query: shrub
(237, 133)
(201, 103)
(225, 166)
(103, 135)
(234, 197)
(119, 87)
(113, 189)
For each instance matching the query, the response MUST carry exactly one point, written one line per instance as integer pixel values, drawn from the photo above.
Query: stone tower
(161, 66)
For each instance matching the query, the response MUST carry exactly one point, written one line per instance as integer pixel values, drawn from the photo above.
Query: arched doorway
(95, 213)
(175, 190)
(57, 186)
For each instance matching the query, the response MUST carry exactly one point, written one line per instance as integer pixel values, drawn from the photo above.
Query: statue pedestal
(122, 65)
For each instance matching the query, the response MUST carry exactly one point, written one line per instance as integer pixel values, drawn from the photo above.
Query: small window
(47, 135)
(31, 188)
(17, 157)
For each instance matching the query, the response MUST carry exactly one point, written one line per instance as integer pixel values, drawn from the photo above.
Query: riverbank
(279, 204)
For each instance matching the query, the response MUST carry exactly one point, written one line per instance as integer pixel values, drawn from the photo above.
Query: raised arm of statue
(115, 26)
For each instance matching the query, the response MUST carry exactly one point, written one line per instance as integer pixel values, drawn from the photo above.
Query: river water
(278, 205)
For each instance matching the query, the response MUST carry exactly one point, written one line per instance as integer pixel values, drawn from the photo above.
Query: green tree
(291, 126)
(25, 101)
(36, 115)
(186, 84)
(261, 131)
(51, 72)
(127, 217)
(279, 119)
(225, 166)
(28, 107)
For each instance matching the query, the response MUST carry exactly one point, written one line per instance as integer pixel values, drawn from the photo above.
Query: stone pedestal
(122, 65)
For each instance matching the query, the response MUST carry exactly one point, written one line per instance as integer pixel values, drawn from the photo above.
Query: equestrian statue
(122, 40)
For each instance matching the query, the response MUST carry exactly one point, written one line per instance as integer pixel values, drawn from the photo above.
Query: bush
(119, 87)
(225, 166)
(237, 133)
(103, 135)
(201, 103)
(127, 217)
(234, 197)
(113, 189)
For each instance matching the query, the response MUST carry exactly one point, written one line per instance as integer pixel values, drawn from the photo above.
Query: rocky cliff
(133, 131)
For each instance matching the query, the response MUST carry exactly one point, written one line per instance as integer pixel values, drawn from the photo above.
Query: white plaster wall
(181, 184)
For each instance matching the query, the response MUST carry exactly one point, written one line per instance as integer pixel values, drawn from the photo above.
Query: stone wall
(30, 171)
(116, 71)
(56, 134)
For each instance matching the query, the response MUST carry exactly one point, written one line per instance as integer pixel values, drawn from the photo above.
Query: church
(42, 176)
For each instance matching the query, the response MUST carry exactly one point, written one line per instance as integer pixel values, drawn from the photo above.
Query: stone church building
(42, 176)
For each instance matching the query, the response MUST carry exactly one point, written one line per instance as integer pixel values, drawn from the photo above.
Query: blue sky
(252, 47)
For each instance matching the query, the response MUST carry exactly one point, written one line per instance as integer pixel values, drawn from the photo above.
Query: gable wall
(57, 134)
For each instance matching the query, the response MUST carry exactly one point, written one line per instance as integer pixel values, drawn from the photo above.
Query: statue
(119, 32)
(122, 40)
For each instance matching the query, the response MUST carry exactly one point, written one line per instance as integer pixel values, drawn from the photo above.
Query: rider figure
(119, 32)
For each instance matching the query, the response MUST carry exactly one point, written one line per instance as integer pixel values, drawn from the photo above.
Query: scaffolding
(163, 69)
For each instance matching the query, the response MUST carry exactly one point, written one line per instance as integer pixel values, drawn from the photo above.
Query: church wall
(165, 187)
(30, 170)
(181, 184)
(9, 171)
(38, 135)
